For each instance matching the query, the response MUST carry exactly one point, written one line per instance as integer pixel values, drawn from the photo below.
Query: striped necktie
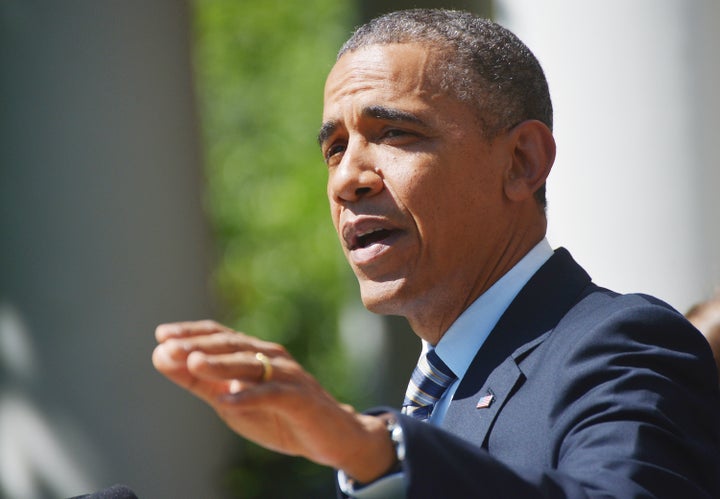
(428, 382)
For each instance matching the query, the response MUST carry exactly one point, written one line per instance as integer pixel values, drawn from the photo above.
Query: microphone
(115, 492)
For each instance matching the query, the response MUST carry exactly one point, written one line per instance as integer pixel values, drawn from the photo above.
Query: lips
(367, 238)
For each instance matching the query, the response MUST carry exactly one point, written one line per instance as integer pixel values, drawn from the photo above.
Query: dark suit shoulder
(630, 322)
(633, 382)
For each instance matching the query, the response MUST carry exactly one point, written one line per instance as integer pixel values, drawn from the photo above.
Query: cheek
(334, 208)
(409, 184)
(335, 214)
(445, 208)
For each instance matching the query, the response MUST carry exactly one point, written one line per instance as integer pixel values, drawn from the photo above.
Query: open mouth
(364, 238)
(368, 238)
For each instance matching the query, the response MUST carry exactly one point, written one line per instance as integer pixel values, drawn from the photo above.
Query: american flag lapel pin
(485, 401)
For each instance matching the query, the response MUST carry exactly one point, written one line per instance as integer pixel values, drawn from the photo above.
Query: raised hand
(263, 394)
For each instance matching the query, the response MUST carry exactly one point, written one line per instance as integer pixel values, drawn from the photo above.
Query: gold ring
(267, 368)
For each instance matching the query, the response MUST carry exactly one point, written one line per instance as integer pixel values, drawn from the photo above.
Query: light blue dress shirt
(458, 347)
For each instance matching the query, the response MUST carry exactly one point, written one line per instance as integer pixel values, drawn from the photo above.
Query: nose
(354, 178)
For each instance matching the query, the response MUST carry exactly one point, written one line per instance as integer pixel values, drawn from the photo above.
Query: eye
(395, 132)
(333, 151)
(398, 137)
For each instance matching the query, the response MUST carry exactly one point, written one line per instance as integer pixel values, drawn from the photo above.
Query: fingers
(243, 366)
(167, 358)
(224, 342)
(212, 338)
(173, 363)
(211, 360)
(187, 329)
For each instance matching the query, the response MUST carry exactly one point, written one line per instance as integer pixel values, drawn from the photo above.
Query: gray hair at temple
(482, 63)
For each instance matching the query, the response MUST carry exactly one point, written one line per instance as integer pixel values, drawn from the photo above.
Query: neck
(436, 311)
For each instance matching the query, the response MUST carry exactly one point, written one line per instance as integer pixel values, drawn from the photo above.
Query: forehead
(393, 71)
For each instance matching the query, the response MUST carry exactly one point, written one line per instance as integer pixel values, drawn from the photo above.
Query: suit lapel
(490, 398)
(495, 372)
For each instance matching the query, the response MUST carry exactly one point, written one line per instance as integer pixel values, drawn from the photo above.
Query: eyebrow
(378, 112)
(326, 130)
(391, 114)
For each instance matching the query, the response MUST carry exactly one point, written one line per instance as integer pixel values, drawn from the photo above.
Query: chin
(385, 298)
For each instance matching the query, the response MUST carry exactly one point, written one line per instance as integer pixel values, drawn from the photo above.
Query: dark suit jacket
(594, 394)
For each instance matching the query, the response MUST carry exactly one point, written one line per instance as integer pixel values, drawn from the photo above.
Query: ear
(532, 156)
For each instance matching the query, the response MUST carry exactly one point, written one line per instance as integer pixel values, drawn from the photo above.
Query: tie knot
(429, 381)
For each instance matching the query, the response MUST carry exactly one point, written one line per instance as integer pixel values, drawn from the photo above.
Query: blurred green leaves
(260, 68)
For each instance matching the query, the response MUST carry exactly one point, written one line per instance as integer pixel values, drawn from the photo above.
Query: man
(705, 316)
(437, 136)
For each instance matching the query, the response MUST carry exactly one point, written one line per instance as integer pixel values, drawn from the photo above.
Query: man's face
(415, 190)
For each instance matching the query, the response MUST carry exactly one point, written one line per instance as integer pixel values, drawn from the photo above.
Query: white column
(634, 191)
(101, 238)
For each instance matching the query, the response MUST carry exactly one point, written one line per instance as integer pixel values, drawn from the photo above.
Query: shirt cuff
(388, 487)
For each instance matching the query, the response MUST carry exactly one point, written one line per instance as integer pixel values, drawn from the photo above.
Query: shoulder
(620, 348)
(628, 321)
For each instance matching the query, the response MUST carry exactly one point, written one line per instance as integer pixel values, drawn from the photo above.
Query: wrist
(379, 455)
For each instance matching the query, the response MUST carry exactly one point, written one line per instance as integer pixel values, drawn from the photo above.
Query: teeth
(367, 233)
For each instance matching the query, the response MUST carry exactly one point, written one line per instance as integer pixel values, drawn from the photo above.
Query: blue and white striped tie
(429, 381)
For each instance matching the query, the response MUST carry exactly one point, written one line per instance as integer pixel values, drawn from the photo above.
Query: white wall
(634, 190)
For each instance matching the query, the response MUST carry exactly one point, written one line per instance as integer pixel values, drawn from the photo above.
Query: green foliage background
(280, 275)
